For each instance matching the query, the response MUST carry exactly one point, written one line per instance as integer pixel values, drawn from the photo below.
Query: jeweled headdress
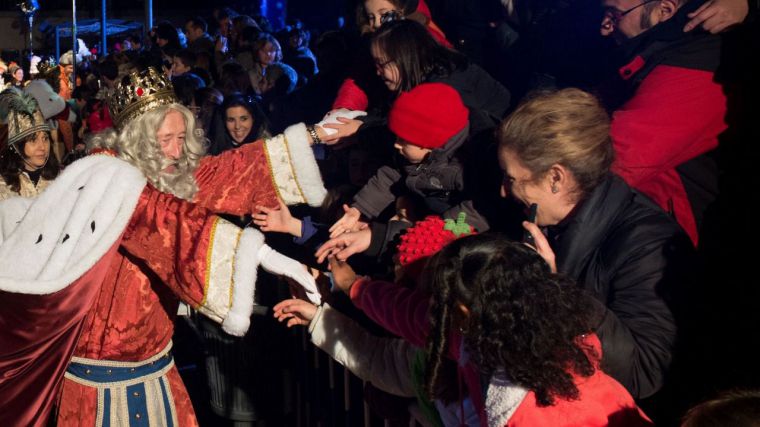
(21, 113)
(138, 93)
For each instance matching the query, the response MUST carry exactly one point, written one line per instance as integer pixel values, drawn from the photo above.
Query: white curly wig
(137, 144)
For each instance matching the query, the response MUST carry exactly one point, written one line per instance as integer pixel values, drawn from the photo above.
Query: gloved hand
(332, 118)
(277, 263)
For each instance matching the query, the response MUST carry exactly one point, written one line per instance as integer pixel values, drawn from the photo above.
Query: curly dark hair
(12, 164)
(522, 318)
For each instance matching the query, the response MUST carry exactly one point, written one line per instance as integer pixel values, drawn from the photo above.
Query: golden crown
(138, 93)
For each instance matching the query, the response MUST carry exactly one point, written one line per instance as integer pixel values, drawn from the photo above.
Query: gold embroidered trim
(209, 252)
(120, 364)
(232, 276)
(271, 169)
(292, 169)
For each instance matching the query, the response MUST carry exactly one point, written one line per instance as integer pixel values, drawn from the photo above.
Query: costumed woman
(26, 166)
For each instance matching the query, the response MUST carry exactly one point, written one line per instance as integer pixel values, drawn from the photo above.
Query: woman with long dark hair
(239, 121)
(26, 166)
(406, 55)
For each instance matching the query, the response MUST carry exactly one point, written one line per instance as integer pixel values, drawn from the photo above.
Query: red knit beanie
(429, 115)
(426, 238)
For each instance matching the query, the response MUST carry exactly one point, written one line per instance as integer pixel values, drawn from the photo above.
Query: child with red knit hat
(431, 125)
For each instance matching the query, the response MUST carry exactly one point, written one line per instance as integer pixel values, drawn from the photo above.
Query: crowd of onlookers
(612, 314)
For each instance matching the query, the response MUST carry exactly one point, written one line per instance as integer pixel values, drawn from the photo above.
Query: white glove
(277, 263)
(332, 118)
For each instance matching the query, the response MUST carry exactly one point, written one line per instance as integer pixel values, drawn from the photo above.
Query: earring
(555, 190)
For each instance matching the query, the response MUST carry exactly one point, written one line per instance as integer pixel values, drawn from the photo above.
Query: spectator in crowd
(298, 55)
(243, 122)
(556, 152)
(406, 55)
(266, 51)
(26, 164)
(198, 39)
(15, 76)
(166, 39)
(665, 126)
(182, 62)
(522, 336)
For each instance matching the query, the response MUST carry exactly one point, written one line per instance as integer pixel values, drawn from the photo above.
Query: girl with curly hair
(520, 334)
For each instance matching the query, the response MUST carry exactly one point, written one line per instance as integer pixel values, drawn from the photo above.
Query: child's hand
(345, 245)
(349, 222)
(295, 311)
(343, 275)
(277, 219)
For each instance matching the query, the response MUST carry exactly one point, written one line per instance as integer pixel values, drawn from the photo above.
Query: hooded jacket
(439, 179)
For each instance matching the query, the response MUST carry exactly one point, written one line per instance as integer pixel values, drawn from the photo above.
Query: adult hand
(542, 245)
(345, 128)
(348, 222)
(295, 311)
(343, 275)
(345, 245)
(717, 15)
(277, 219)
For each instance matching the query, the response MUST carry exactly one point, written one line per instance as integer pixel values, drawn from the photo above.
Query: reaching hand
(343, 275)
(345, 128)
(295, 311)
(348, 222)
(717, 15)
(345, 245)
(340, 123)
(277, 219)
(542, 245)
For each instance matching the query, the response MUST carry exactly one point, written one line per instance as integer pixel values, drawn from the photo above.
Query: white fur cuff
(304, 165)
(246, 263)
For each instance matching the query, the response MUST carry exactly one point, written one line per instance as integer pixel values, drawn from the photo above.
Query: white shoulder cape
(48, 242)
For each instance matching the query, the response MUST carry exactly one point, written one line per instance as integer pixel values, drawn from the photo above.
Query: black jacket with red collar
(666, 127)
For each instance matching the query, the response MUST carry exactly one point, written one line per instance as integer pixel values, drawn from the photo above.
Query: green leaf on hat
(458, 227)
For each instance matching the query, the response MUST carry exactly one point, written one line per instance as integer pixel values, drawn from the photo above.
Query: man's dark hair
(187, 57)
(198, 23)
(108, 69)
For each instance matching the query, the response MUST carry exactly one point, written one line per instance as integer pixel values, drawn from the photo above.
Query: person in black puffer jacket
(431, 125)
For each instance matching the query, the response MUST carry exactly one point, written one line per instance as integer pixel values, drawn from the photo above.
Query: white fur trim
(238, 319)
(221, 252)
(49, 242)
(502, 399)
(294, 168)
(283, 172)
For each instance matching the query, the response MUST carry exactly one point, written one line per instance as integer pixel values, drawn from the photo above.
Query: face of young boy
(410, 151)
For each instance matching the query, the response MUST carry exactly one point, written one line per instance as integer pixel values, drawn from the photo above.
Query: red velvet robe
(161, 261)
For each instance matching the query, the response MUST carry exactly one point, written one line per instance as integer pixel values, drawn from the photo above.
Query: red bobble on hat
(430, 236)
(429, 115)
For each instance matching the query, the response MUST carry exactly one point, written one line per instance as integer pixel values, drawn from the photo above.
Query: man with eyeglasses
(666, 126)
